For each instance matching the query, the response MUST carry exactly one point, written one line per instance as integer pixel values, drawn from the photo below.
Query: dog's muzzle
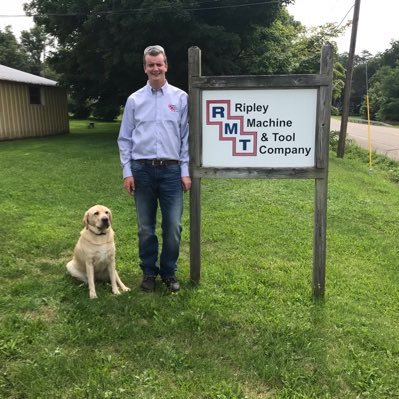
(105, 222)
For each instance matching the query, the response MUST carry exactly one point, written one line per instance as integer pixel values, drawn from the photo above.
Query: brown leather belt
(158, 162)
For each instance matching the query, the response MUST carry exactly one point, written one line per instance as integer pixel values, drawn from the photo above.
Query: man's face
(155, 68)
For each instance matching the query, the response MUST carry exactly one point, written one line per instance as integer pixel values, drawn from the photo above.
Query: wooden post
(322, 144)
(194, 70)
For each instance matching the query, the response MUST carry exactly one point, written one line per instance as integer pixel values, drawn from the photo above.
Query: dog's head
(98, 219)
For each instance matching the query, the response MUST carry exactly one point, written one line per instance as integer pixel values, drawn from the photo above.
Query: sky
(377, 20)
(18, 24)
(377, 25)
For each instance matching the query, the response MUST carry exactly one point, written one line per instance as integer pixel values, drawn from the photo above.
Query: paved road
(384, 140)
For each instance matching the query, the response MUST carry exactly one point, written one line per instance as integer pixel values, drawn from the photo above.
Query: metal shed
(31, 106)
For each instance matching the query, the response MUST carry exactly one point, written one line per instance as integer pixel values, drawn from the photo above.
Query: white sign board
(271, 128)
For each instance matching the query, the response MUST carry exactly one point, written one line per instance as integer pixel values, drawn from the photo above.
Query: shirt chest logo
(172, 107)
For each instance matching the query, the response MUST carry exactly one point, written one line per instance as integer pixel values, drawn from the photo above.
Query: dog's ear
(86, 219)
(110, 216)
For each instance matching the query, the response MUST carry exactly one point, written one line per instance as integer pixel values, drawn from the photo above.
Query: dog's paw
(116, 291)
(93, 295)
(125, 289)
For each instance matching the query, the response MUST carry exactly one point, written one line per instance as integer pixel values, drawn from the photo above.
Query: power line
(111, 12)
(346, 15)
(16, 16)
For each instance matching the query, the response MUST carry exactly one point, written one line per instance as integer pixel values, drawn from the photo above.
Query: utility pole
(348, 83)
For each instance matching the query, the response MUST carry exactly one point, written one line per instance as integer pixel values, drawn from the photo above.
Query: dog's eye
(106, 212)
(96, 213)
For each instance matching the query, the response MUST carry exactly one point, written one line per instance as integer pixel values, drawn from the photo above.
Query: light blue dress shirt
(155, 126)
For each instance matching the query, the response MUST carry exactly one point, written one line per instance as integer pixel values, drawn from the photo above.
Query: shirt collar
(162, 89)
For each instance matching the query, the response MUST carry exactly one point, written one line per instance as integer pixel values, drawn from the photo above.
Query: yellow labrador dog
(94, 253)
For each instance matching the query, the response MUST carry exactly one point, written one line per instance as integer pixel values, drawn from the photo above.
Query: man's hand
(186, 183)
(128, 183)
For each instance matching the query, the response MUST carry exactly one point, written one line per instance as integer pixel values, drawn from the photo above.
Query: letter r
(217, 111)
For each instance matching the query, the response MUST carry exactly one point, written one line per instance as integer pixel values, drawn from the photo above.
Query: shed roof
(14, 75)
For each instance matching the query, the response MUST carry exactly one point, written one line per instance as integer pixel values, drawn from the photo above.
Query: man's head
(155, 65)
(154, 50)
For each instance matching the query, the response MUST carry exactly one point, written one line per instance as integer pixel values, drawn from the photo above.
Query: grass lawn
(250, 329)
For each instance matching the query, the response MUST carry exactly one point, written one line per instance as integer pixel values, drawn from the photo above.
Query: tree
(365, 67)
(380, 73)
(34, 43)
(11, 52)
(286, 46)
(389, 110)
(272, 48)
(100, 42)
(307, 50)
(361, 63)
(389, 57)
(384, 94)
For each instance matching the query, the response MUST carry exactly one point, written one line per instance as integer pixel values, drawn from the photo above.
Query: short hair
(154, 50)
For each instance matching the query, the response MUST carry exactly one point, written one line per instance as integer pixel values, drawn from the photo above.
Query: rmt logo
(231, 128)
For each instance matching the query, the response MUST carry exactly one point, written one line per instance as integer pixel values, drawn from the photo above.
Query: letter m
(230, 128)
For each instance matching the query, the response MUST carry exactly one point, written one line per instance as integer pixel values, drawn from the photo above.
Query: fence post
(194, 70)
(320, 211)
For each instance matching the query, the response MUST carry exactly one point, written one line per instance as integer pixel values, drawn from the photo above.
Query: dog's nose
(105, 221)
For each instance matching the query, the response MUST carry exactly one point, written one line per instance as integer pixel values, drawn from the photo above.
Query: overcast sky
(377, 22)
(14, 7)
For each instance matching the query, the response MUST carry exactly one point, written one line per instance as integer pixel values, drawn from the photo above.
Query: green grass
(250, 329)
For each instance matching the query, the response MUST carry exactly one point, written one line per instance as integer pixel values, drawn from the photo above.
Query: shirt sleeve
(125, 142)
(184, 132)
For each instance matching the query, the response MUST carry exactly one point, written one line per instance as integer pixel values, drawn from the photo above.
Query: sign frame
(259, 128)
(322, 82)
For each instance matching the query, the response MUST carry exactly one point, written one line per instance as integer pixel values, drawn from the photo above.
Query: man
(153, 147)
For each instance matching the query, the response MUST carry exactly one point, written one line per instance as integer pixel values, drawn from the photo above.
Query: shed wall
(20, 119)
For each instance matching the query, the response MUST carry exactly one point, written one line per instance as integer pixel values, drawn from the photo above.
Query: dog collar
(96, 243)
(97, 234)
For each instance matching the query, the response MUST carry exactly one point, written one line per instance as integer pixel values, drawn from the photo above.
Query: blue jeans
(158, 185)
